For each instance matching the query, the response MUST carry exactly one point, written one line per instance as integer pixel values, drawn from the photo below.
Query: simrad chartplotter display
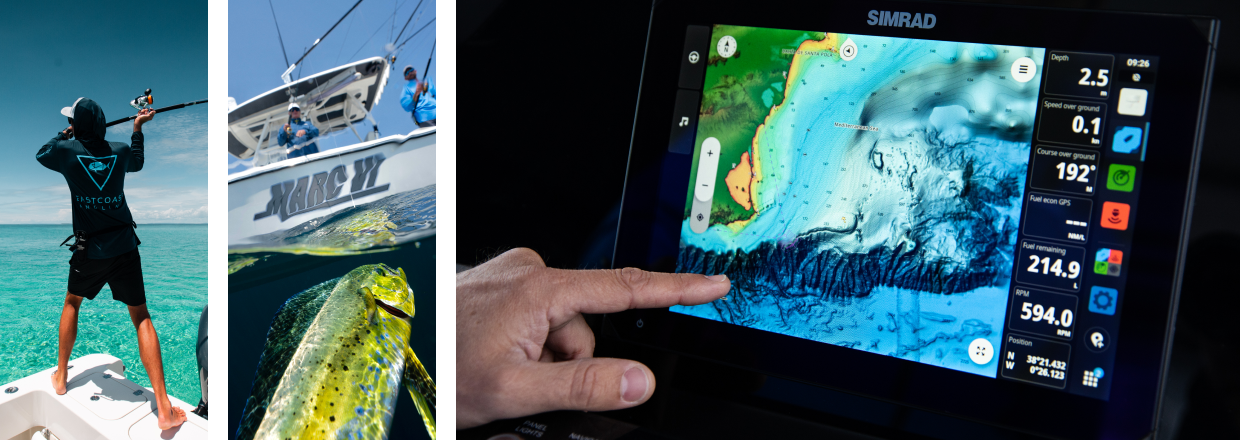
(922, 204)
(868, 192)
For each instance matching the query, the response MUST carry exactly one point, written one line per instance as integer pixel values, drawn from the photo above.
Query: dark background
(554, 97)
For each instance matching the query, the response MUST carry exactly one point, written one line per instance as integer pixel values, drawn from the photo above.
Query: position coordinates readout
(1035, 360)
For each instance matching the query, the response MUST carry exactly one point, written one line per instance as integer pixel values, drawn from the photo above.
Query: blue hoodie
(424, 110)
(95, 171)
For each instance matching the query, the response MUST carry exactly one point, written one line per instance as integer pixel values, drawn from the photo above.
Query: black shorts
(123, 273)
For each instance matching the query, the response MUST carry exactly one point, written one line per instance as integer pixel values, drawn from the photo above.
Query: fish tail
(422, 388)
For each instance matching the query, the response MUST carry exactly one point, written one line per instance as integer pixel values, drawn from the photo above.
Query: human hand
(144, 115)
(301, 133)
(523, 346)
(68, 132)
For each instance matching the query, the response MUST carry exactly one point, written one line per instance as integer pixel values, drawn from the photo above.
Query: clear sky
(53, 53)
(255, 61)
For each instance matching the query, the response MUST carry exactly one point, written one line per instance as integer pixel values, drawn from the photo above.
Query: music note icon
(684, 120)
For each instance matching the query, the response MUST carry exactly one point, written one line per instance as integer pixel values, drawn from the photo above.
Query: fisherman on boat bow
(297, 134)
(105, 250)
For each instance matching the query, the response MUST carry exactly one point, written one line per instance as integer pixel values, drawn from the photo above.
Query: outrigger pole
(158, 110)
(285, 76)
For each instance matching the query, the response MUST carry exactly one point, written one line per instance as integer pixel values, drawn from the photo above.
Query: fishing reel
(143, 101)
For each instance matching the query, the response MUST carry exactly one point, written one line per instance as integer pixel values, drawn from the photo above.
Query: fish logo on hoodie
(99, 169)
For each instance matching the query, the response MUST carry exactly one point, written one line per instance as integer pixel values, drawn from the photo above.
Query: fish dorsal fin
(422, 388)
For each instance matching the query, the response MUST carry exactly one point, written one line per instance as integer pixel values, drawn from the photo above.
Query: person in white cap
(298, 133)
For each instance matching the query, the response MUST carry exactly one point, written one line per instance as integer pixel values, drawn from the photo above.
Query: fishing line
(346, 37)
(372, 36)
(411, 14)
(416, 33)
(340, 160)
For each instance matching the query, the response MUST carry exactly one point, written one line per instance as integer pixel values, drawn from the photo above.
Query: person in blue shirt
(297, 134)
(418, 98)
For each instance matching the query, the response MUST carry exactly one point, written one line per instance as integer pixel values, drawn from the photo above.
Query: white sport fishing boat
(278, 193)
(100, 404)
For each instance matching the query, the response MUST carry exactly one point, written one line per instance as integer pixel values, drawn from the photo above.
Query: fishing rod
(286, 73)
(427, 69)
(139, 103)
(158, 110)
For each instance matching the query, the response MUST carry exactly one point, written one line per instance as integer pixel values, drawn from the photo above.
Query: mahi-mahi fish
(336, 357)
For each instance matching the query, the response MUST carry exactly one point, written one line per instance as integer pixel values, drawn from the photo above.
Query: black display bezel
(656, 181)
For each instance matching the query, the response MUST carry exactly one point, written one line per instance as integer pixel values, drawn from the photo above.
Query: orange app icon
(1114, 215)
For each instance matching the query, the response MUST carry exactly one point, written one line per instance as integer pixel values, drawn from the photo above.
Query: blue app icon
(1126, 140)
(1102, 300)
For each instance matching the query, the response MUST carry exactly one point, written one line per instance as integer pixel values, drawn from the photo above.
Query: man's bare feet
(58, 382)
(173, 420)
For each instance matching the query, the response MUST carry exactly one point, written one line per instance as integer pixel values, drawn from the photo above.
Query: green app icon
(1100, 267)
(1121, 177)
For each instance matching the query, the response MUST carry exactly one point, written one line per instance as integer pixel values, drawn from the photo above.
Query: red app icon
(1114, 215)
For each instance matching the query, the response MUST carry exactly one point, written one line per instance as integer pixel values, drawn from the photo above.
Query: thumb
(589, 384)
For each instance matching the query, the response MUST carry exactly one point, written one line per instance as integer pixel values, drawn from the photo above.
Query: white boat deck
(101, 404)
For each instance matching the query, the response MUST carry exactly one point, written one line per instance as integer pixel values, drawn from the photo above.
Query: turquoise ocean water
(32, 293)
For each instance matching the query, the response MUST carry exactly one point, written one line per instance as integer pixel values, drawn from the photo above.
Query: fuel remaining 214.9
(1052, 265)
(1074, 267)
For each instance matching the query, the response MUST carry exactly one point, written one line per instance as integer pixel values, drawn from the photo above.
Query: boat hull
(286, 194)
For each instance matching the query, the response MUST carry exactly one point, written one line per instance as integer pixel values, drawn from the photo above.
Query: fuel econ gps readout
(1085, 171)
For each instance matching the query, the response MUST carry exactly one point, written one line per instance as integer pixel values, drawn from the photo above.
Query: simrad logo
(322, 190)
(901, 19)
